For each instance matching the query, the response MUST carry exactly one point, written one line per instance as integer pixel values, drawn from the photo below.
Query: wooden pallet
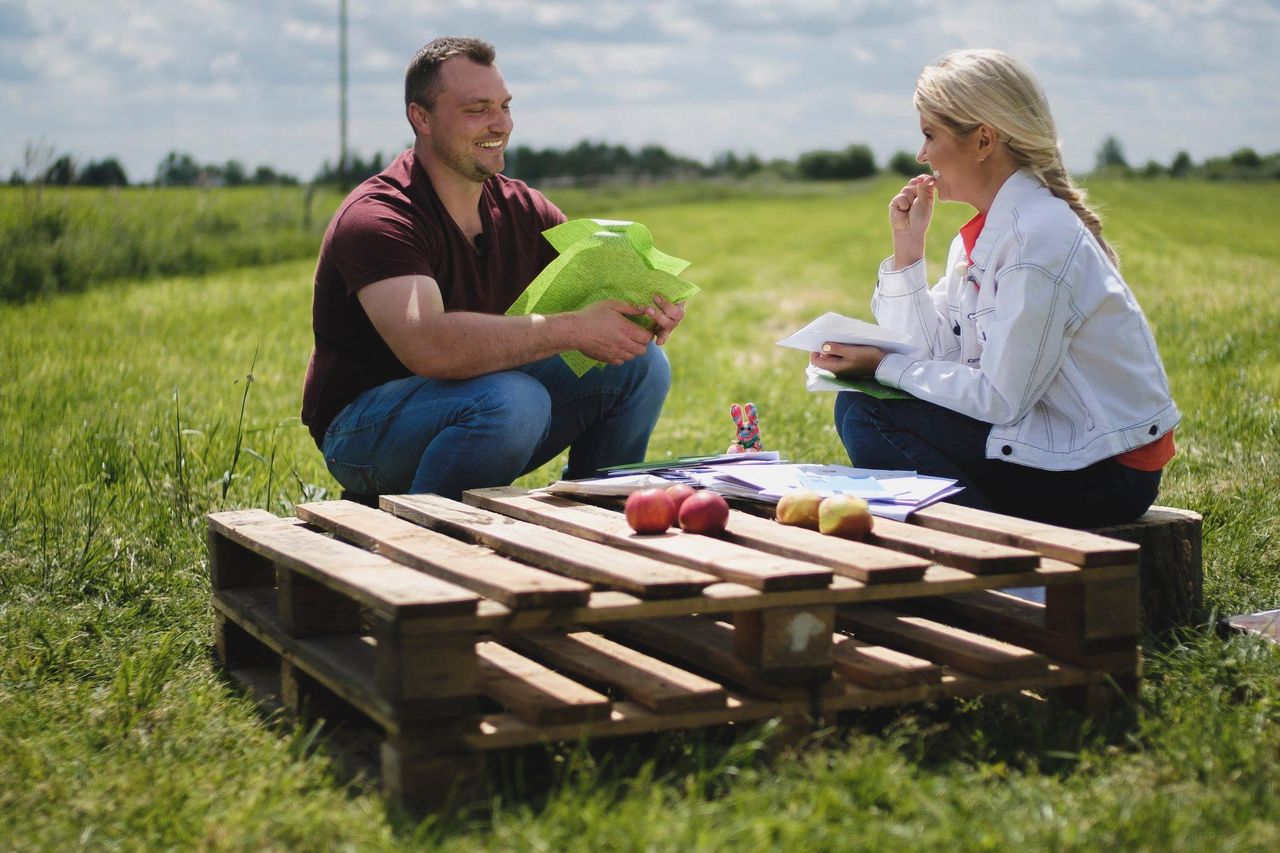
(514, 619)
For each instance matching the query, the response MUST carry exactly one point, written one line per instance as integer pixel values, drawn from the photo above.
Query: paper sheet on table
(602, 259)
(606, 486)
(757, 457)
(847, 330)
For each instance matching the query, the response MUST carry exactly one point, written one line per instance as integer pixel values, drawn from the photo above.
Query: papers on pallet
(762, 477)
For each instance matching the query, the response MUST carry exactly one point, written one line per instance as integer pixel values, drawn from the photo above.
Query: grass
(129, 412)
(69, 239)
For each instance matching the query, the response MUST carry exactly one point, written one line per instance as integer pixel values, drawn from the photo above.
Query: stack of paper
(764, 477)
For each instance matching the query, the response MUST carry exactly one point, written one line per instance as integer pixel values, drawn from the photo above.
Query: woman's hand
(848, 360)
(909, 216)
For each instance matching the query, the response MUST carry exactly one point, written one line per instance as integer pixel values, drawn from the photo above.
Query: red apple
(650, 510)
(704, 512)
(679, 493)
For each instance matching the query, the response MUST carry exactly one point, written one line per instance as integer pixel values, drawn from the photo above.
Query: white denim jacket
(1040, 337)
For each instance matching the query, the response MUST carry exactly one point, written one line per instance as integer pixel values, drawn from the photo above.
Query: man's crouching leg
(606, 416)
(418, 435)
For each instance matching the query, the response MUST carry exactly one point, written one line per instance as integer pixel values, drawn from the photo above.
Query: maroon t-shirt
(392, 225)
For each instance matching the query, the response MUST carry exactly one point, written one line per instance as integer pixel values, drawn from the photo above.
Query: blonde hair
(965, 88)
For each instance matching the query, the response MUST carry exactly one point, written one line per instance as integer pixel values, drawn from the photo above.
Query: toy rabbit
(748, 440)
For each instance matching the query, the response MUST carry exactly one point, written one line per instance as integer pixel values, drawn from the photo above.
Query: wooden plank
(939, 643)
(534, 693)
(647, 681)
(566, 554)
(1021, 622)
(866, 563)
(372, 580)
(469, 566)
(704, 553)
(949, 549)
(707, 646)
(1077, 547)
(880, 667)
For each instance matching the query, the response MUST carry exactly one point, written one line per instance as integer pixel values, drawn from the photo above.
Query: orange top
(1150, 457)
(969, 233)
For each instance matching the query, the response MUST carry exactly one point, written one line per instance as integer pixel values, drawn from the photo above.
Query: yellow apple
(845, 516)
(799, 508)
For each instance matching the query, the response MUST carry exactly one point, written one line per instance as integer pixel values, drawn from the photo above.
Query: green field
(130, 411)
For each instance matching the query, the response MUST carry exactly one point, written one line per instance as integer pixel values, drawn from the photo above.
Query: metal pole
(342, 90)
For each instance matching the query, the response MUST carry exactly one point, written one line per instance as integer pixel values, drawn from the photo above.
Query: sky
(258, 82)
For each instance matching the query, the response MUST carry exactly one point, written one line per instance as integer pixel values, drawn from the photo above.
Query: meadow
(130, 411)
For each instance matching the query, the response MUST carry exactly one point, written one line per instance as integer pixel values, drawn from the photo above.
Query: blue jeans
(419, 435)
(920, 436)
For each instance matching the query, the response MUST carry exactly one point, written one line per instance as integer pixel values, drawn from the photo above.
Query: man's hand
(604, 333)
(666, 316)
(848, 360)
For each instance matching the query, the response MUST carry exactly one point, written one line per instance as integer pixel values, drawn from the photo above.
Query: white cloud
(258, 82)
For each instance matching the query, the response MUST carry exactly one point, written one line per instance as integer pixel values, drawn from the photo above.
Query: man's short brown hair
(422, 77)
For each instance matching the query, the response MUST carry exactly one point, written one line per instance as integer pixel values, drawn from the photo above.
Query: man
(418, 382)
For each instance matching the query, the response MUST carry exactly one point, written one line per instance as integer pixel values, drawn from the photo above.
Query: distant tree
(1245, 158)
(16, 179)
(906, 164)
(233, 174)
(265, 175)
(104, 173)
(177, 170)
(1111, 156)
(62, 172)
(856, 161)
(1152, 169)
(1181, 165)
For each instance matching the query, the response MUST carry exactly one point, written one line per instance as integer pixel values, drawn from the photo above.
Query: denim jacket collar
(999, 218)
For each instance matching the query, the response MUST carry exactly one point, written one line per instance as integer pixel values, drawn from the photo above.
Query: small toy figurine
(748, 440)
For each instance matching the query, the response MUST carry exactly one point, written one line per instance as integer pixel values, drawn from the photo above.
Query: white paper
(847, 330)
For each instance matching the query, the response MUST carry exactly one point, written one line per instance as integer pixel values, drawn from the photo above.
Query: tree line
(590, 162)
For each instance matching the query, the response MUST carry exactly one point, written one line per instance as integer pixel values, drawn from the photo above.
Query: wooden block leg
(1099, 696)
(1093, 612)
(232, 565)
(237, 648)
(788, 644)
(421, 777)
(428, 670)
(306, 697)
(310, 609)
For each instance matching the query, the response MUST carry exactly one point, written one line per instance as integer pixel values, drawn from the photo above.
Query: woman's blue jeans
(418, 435)
(915, 435)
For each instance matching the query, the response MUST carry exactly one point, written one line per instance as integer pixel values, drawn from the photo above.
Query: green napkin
(602, 259)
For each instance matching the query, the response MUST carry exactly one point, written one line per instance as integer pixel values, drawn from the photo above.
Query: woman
(1040, 388)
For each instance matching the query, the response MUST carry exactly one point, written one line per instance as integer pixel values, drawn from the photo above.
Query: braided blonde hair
(966, 88)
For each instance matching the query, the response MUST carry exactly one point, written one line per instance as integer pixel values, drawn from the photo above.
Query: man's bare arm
(409, 314)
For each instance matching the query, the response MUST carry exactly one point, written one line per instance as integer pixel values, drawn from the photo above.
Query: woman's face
(954, 160)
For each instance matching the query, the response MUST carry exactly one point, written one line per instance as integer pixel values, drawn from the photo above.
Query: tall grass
(67, 239)
(130, 412)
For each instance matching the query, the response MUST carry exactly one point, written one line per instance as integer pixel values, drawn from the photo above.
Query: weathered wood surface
(1078, 547)
(1171, 569)
(469, 566)
(561, 552)
(535, 694)
(940, 643)
(719, 557)
(646, 680)
(371, 580)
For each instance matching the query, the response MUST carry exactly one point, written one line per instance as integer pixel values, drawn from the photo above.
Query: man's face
(470, 122)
